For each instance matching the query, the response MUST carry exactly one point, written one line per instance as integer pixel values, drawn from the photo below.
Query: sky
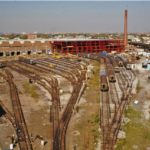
(73, 16)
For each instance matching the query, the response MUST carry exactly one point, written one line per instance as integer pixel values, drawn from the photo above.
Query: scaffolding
(75, 46)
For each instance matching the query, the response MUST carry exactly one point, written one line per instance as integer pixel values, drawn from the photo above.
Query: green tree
(45, 36)
(24, 36)
(143, 35)
(11, 36)
(130, 40)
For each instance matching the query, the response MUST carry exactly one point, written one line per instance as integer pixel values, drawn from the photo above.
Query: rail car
(94, 57)
(120, 63)
(110, 73)
(102, 62)
(101, 55)
(102, 67)
(79, 55)
(114, 63)
(85, 55)
(109, 68)
(103, 81)
(107, 61)
(125, 62)
(102, 59)
(26, 60)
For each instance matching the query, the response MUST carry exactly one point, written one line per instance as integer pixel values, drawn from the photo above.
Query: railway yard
(67, 103)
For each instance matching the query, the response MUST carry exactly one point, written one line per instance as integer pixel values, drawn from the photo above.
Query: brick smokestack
(125, 29)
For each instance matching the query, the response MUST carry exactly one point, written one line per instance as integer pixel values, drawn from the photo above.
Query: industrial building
(11, 47)
(31, 36)
(75, 46)
(72, 46)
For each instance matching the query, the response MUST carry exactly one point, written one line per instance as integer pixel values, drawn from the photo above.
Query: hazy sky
(81, 16)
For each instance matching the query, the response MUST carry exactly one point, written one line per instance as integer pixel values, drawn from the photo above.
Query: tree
(44, 36)
(24, 36)
(143, 35)
(11, 36)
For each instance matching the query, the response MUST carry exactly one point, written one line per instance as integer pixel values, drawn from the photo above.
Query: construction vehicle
(52, 66)
(56, 56)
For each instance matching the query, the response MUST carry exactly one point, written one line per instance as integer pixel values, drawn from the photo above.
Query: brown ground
(143, 94)
(6, 129)
(82, 131)
(136, 135)
(36, 112)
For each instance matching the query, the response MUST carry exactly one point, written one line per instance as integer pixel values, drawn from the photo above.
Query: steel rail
(21, 128)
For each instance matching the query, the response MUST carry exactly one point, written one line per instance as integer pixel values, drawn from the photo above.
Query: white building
(136, 40)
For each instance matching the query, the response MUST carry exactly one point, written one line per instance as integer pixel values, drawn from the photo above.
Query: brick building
(31, 36)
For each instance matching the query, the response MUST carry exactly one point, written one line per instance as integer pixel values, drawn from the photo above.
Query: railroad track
(71, 64)
(60, 126)
(62, 72)
(20, 125)
(105, 120)
(110, 127)
(60, 66)
(122, 106)
(8, 115)
(114, 93)
(59, 141)
(51, 89)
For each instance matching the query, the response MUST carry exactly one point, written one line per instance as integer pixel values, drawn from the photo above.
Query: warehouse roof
(20, 43)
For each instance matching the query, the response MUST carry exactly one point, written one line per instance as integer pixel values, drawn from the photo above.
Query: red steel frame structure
(75, 46)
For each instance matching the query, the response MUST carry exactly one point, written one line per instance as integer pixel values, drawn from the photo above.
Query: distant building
(136, 40)
(80, 36)
(31, 36)
(7, 33)
(23, 33)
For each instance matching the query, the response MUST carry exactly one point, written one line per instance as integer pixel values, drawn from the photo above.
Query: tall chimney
(125, 30)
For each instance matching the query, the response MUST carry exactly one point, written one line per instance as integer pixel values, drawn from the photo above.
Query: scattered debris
(135, 147)
(136, 102)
